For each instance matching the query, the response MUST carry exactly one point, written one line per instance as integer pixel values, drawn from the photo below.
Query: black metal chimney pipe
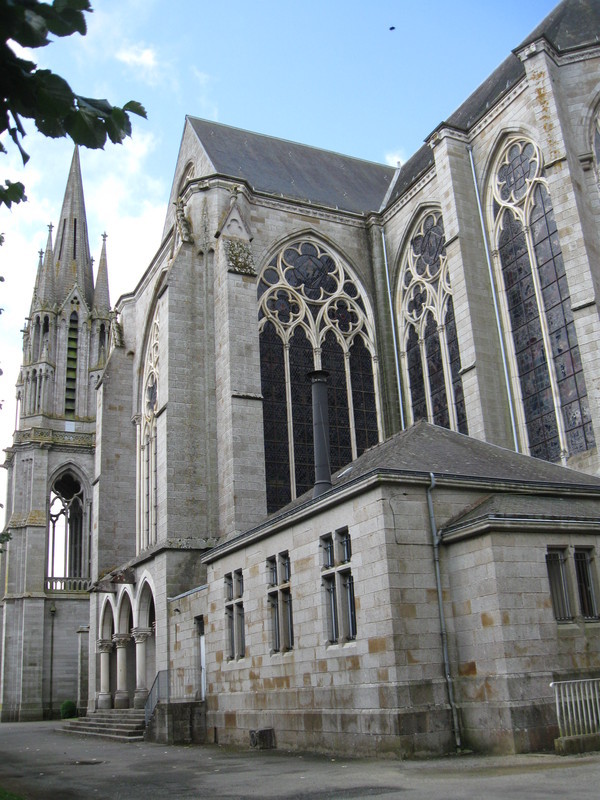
(320, 412)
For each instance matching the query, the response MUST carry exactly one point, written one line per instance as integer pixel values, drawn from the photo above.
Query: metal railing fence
(577, 706)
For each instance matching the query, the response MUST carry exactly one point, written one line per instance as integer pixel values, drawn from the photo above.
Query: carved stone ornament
(183, 223)
(239, 256)
(117, 332)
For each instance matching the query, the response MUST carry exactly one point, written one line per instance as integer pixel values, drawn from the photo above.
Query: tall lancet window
(538, 307)
(68, 565)
(313, 315)
(147, 461)
(429, 345)
(71, 379)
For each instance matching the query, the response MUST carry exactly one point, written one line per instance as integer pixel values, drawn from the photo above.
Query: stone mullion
(290, 421)
(450, 400)
(350, 404)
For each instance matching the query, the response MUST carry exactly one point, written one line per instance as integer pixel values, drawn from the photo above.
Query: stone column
(121, 641)
(104, 647)
(141, 690)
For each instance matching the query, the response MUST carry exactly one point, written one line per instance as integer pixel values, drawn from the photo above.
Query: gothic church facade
(424, 597)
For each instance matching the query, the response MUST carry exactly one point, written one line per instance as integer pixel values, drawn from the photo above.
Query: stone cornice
(47, 436)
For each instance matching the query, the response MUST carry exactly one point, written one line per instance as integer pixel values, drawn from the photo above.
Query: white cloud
(138, 56)
(395, 158)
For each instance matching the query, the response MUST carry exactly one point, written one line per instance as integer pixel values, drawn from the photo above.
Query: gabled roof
(297, 171)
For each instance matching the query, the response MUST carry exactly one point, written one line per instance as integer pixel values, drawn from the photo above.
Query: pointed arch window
(429, 350)
(68, 565)
(148, 451)
(312, 315)
(547, 362)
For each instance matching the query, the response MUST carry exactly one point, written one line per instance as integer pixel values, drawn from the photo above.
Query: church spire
(101, 293)
(45, 290)
(72, 260)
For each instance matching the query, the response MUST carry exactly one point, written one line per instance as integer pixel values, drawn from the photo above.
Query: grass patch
(4, 795)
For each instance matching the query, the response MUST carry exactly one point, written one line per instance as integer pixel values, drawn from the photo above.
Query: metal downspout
(395, 339)
(438, 582)
(495, 301)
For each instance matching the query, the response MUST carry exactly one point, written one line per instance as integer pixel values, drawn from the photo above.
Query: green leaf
(12, 193)
(135, 108)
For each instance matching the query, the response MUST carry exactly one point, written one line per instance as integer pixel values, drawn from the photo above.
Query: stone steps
(121, 725)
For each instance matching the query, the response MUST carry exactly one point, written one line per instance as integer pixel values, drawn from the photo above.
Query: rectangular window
(285, 569)
(279, 598)
(345, 545)
(338, 585)
(349, 609)
(333, 631)
(272, 571)
(585, 583)
(275, 636)
(327, 548)
(288, 620)
(559, 590)
(234, 614)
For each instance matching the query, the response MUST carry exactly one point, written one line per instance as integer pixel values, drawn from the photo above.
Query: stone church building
(328, 476)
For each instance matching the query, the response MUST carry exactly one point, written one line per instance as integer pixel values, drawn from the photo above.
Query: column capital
(104, 645)
(121, 639)
(141, 634)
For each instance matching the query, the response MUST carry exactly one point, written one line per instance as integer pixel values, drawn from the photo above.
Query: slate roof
(571, 25)
(288, 169)
(425, 448)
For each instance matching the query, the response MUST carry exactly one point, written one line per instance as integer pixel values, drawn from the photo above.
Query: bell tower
(45, 569)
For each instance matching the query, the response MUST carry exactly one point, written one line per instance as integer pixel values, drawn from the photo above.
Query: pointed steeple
(38, 276)
(101, 293)
(45, 290)
(72, 250)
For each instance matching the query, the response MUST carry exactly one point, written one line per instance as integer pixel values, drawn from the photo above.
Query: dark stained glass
(363, 396)
(277, 457)
(340, 445)
(563, 340)
(435, 368)
(532, 364)
(301, 363)
(415, 376)
(455, 366)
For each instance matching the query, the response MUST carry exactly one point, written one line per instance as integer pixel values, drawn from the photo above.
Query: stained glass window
(313, 315)
(547, 360)
(429, 344)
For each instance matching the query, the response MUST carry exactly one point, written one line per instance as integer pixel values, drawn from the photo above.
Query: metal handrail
(176, 685)
(159, 691)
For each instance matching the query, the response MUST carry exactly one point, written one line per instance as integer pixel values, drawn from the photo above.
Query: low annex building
(428, 334)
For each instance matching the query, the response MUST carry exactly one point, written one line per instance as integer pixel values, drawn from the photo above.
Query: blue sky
(330, 74)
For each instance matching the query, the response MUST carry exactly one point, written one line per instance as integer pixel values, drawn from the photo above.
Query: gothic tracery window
(538, 305)
(147, 459)
(429, 344)
(312, 316)
(68, 541)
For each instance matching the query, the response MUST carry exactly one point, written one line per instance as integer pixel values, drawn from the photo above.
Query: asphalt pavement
(40, 762)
